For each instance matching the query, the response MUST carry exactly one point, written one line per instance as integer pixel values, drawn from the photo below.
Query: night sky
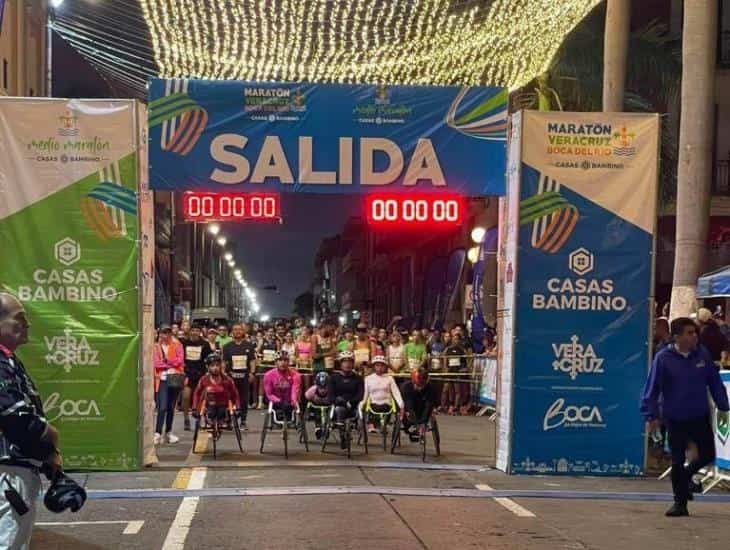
(283, 255)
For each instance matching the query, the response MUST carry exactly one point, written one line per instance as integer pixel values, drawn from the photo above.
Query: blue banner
(583, 297)
(2, 12)
(326, 138)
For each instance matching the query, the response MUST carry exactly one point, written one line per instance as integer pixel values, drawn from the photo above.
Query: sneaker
(677, 511)
(187, 425)
(244, 426)
(171, 438)
(318, 433)
(157, 439)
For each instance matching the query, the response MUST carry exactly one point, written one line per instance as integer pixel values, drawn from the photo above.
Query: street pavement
(410, 505)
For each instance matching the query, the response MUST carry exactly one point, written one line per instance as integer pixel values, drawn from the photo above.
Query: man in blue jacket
(681, 374)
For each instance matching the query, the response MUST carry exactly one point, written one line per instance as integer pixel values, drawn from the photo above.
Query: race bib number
(362, 356)
(269, 355)
(193, 353)
(436, 363)
(454, 362)
(239, 362)
(413, 363)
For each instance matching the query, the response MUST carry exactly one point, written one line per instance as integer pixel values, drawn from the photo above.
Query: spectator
(681, 375)
(662, 337)
(169, 363)
(711, 336)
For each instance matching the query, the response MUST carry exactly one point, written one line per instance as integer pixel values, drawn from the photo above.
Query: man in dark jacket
(27, 441)
(711, 336)
(681, 375)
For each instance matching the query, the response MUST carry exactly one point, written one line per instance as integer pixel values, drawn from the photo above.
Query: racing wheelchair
(207, 420)
(276, 419)
(423, 428)
(389, 425)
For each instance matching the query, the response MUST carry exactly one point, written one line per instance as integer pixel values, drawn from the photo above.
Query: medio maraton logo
(68, 146)
(379, 109)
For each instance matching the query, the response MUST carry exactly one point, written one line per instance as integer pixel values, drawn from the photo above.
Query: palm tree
(615, 53)
(653, 74)
(695, 151)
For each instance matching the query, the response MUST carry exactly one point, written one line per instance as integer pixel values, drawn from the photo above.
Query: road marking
(180, 527)
(201, 445)
(255, 476)
(131, 527)
(182, 478)
(507, 503)
(326, 475)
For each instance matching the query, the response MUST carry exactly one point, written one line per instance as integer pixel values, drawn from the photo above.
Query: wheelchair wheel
(395, 436)
(237, 433)
(347, 434)
(305, 434)
(325, 432)
(264, 429)
(195, 433)
(436, 436)
(285, 436)
(216, 435)
(364, 429)
(384, 421)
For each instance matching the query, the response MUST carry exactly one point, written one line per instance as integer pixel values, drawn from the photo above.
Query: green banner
(69, 232)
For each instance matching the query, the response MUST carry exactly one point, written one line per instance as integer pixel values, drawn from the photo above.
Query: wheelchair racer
(420, 398)
(319, 395)
(282, 385)
(347, 389)
(218, 390)
(381, 390)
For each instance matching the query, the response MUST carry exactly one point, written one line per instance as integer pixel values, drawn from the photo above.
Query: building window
(723, 39)
(5, 74)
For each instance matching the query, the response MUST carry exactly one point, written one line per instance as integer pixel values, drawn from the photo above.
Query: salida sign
(227, 135)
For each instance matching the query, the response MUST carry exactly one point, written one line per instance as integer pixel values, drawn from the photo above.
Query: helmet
(419, 377)
(346, 355)
(63, 494)
(214, 357)
(380, 359)
(321, 379)
(282, 355)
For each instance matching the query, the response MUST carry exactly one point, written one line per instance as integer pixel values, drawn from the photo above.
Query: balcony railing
(721, 178)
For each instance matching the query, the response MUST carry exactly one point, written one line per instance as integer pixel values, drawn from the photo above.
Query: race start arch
(576, 227)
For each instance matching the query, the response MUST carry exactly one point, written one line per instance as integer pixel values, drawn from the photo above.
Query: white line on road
(131, 527)
(509, 504)
(180, 527)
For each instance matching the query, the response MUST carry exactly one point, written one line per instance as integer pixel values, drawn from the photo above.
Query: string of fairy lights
(438, 42)
(498, 42)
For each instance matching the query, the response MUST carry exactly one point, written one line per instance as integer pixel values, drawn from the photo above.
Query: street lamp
(256, 308)
(222, 240)
(473, 254)
(265, 318)
(313, 322)
(231, 263)
(228, 256)
(214, 228)
(343, 319)
(478, 234)
(238, 274)
(55, 4)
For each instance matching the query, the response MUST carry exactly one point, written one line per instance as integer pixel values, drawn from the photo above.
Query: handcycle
(430, 425)
(216, 426)
(344, 429)
(277, 420)
(385, 419)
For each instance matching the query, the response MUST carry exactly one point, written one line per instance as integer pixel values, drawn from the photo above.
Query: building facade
(23, 48)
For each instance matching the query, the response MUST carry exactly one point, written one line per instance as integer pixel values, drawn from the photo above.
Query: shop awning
(715, 284)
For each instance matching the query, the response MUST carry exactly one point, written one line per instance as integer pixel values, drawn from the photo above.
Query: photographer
(27, 442)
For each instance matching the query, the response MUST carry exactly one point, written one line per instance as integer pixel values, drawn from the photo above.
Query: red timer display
(221, 207)
(402, 210)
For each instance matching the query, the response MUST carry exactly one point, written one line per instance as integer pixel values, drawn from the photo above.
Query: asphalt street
(379, 501)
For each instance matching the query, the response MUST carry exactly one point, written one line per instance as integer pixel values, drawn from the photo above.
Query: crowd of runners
(250, 365)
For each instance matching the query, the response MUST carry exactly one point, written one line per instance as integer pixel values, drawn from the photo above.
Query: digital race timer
(221, 207)
(409, 210)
